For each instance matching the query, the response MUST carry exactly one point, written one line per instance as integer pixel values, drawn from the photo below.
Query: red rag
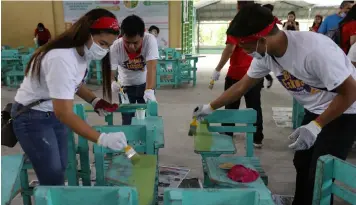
(240, 173)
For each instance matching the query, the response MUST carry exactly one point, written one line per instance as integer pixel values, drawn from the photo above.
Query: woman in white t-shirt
(56, 73)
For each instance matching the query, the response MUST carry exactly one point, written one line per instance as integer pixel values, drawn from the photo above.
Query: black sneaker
(269, 83)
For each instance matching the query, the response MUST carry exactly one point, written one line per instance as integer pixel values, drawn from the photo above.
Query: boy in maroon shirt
(239, 64)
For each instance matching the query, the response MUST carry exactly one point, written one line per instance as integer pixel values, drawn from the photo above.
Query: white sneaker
(257, 145)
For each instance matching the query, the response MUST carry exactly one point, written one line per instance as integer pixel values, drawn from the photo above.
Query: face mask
(256, 54)
(40, 29)
(95, 52)
(343, 14)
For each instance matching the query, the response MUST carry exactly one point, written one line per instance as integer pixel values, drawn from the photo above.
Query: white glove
(216, 75)
(305, 136)
(201, 111)
(115, 140)
(115, 87)
(149, 95)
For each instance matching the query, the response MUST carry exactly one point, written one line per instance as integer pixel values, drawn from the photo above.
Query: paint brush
(193, 127)
(211, 84)
(124, 97)
(132, 154)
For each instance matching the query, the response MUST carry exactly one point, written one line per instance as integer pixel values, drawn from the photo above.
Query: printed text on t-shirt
(295, 85)
(136, 64)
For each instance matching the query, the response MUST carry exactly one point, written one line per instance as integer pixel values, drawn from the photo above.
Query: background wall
(19, 21)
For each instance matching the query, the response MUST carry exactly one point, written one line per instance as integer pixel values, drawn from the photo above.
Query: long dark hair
(292, 13)
(76, 36)
(351, 15)
(268, 6)
(321, 21)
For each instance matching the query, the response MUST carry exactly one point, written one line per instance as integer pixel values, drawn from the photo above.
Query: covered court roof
(225, 10)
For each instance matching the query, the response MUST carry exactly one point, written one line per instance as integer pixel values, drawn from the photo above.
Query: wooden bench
(167, 73)
(218, 177)
(214, 196)
(153, 124)
(330, 170)
(11, 166)
(151, 110)
(209, 143)
(142, 176)
(82, 148)
(63, 195)
(145, 140)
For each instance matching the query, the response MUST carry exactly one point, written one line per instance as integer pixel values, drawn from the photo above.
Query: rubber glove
(115, 87)
(305, 136)
(115, 140)
(216, 75)
(149, 95)
(201, 111)
(103, 107)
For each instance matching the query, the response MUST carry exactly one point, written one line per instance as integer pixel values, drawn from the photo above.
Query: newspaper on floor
(282, 199)
(282, 116)
(170, 177)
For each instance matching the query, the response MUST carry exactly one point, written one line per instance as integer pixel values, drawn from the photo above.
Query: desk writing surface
(142, 175)
(206, 141)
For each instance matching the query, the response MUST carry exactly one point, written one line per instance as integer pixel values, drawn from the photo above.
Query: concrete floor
(176, 105)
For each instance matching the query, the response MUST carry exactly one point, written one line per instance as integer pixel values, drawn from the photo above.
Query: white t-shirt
(311, 61)
(352, 53)
(133, 72)
(62, 73)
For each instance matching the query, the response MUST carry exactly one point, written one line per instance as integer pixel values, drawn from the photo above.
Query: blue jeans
(135, 94)
(44, 140)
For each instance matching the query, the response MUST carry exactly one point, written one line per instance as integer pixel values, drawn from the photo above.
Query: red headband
(106, 23)
(264, 32)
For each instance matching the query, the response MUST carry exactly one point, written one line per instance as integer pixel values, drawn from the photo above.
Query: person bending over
(134, 58)
(239, 63)
(324, 83)
(42, 34)
(55, 73)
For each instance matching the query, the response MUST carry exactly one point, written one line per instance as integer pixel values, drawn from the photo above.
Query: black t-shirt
(291, 27)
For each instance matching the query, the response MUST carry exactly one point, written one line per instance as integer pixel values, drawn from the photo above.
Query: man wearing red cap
(239, 63)
(316, 72)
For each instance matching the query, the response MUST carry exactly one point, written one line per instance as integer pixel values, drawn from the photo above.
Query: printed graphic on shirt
(83, 80)
(136, 64)
(295, 85)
